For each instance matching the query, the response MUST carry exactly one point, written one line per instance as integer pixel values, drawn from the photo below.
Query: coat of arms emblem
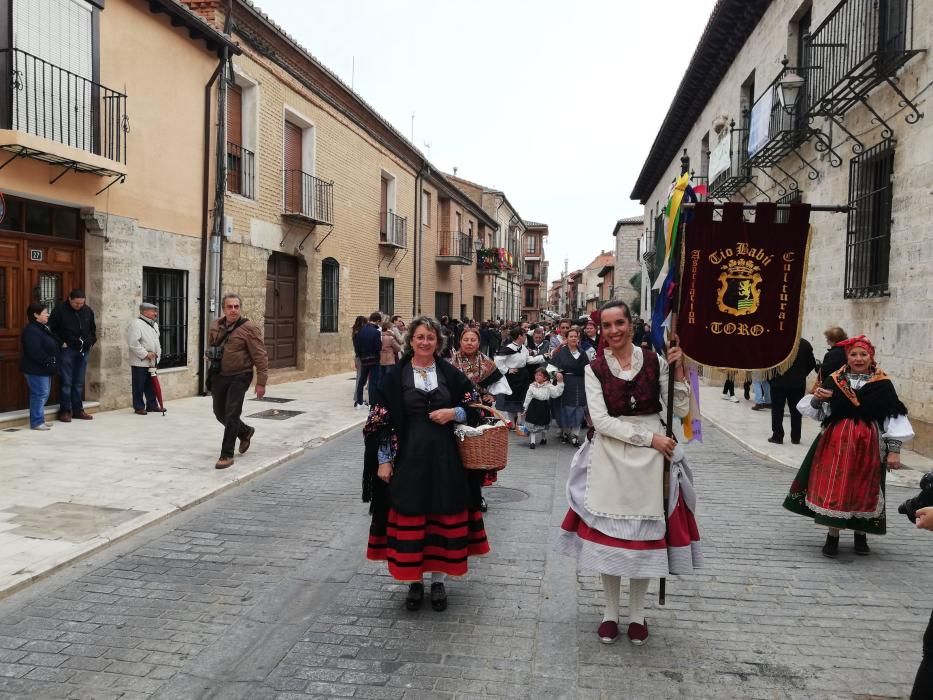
(738, 293)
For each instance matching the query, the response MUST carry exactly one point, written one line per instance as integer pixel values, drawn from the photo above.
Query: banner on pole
(741, 292)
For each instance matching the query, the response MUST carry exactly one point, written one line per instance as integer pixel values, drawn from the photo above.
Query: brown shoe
(84, 415)
(244, 442)
(224, 462)
(65, 416)
(140, 412)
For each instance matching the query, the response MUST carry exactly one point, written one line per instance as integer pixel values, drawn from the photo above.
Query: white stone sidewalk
(73, 490)
(753, 428)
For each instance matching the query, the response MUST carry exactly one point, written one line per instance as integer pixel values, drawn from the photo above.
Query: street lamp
(790, 86)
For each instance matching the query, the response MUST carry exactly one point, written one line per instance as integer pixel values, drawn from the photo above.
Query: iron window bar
(394, 230)
(860, 45)
(454, 247)
(733, 178)
(308, 198)
(868, 226)
(241, 171)
(53, 103)
(168, 289)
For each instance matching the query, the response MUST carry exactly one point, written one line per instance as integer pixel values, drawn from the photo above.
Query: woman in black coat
(571, 360)
(835, 357)
(39, 362)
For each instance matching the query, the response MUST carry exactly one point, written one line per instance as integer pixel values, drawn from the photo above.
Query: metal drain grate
(11, 430)
(276, 414)
(501, 494)
(272, 399)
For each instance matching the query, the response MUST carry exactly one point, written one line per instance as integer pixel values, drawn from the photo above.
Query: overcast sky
(554, 102)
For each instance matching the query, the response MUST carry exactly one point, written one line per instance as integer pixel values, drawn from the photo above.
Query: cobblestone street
(264, 592)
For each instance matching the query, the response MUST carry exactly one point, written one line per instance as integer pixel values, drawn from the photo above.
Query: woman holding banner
(616, 521)
(841, 481)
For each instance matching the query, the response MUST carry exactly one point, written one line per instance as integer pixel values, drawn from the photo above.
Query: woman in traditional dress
(590, 338)
(513, 360)
(424, 504)
(841, 481)
(571, 360)
(486, 377)
(616, 521)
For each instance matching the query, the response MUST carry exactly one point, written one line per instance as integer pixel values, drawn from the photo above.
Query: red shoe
(608, 631)
(638, 634)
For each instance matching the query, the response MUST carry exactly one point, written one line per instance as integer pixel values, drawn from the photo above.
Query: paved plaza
(263, 592)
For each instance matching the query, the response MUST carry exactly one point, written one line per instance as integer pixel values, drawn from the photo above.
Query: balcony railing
(394, 230)
(860, 44)
(454, 247)
(44, 100)
(494, 260)
(773, 131)
(241, 170)
(730, 180)
(308, 197)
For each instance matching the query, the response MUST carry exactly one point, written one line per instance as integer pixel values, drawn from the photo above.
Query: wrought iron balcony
(454, 247)
(860, 44)
(308, 198)
(241, 171)
(394, 230)
(47, 101)
(737, 174)
(491, 261)
(773, 131)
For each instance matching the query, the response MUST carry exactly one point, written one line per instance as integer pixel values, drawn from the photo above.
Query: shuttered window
(57, 31)
(235, 115)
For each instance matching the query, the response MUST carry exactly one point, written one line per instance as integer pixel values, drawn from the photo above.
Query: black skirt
(538, 413)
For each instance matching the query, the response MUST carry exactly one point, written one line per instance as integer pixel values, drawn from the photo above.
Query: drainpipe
(210, 273)
(415, 242)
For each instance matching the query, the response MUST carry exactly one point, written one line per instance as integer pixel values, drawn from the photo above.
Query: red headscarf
(860, 341)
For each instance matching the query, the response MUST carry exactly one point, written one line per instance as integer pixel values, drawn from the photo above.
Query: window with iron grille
(868, 229)
(330, 295)
(387, 295)
(168, 289)
(792, 197)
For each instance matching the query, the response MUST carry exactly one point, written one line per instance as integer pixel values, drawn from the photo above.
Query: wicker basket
(489, 451)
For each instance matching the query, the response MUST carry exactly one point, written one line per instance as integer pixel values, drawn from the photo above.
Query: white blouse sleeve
(607, 425)
(898, 428)
(681, 391)
(806, 408)
(502, 363)
(556, 390)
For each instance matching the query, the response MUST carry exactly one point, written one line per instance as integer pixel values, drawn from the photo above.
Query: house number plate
(35, 254)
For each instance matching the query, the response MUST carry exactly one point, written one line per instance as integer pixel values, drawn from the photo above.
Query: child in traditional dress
(538, 405)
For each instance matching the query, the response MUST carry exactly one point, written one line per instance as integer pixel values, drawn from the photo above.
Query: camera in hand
(923, 499)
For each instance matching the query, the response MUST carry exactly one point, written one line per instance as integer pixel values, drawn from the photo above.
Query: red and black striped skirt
(417, 544)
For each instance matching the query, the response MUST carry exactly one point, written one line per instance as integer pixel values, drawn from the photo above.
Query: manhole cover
(272, 399)
(500, 494)
(276, 414)
(11, 430)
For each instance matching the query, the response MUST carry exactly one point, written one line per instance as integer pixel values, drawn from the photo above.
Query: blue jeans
(71, 395)
(762, 391)
(367, 372)
(142, 387)
(39, 389)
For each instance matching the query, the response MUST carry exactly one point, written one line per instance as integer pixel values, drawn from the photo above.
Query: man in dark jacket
(368, 346)
(835, 357)
(73, 323)
(789, 388)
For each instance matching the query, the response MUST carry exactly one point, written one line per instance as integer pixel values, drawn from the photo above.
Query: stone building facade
(110, 197)
(857, 136)
(627, 234)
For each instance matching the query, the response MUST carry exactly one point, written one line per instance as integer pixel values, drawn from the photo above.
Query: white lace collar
(638, 361)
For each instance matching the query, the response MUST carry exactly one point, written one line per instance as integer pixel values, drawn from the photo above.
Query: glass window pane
(13, 219)
(38, 219)
(66, 224)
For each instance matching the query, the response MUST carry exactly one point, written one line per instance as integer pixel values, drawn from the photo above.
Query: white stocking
(638, 589)
(611, 589)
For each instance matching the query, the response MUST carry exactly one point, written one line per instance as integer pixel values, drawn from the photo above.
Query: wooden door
(294, 185)
(281, 326)
(32, 268)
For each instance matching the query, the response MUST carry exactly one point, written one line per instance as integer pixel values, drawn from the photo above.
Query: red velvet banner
(741, 291)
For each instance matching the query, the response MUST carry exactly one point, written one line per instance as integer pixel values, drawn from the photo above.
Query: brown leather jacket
(244, 349)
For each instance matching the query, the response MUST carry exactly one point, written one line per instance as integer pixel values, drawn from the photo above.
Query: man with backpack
(235, 347)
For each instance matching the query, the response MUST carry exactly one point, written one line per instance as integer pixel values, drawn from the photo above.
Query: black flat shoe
(483, 506)
(831, 548)
(543, 442)
(575, 441)
(861, 544)
(776, 441)
(415, 596)
(438, 597)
